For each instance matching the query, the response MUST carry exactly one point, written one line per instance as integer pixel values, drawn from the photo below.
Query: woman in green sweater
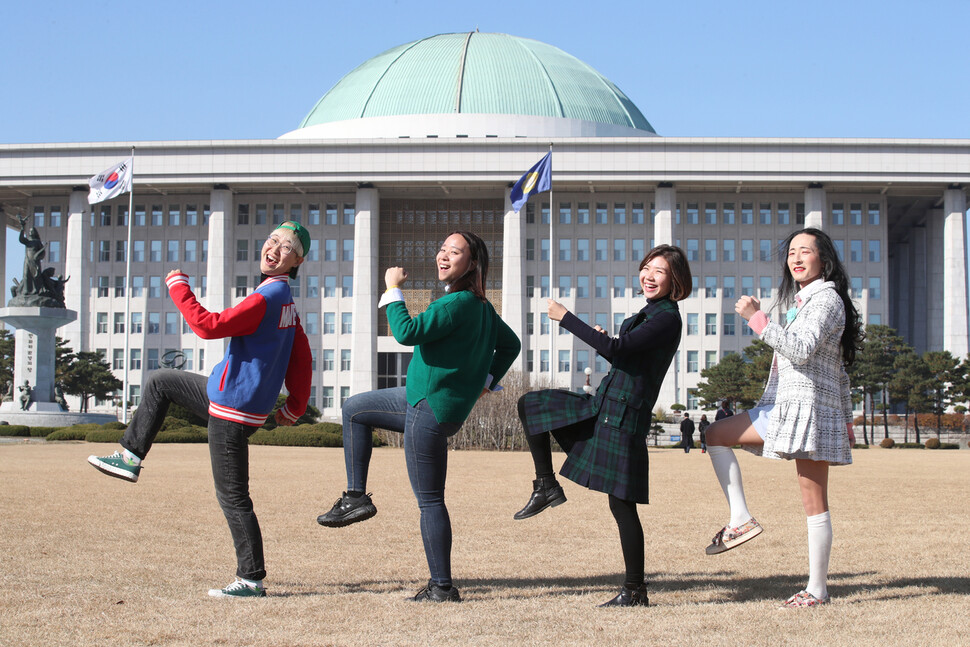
(462, 348)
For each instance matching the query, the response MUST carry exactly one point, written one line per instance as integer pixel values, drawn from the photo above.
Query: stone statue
(7, 392)
(26, 395)
(59, 398)
(38, 287)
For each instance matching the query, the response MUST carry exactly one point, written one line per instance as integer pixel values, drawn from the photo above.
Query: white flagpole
(127, 359)
(552, 256)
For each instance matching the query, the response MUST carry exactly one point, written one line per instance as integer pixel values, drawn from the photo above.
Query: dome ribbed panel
(347, 99)
(503, 77)
(581, 90)
(423, 80)
(637, 118)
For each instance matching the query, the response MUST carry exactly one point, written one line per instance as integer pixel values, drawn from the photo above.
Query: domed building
(461, 85)
(428, 137)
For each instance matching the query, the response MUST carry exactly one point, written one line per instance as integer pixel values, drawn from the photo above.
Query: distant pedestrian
(686, 433)
(702, 430)
(724, 411)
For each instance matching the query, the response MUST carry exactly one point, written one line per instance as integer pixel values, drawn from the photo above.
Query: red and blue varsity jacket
(267, 347)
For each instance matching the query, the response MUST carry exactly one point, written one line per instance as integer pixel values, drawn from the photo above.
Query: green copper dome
(477, 74)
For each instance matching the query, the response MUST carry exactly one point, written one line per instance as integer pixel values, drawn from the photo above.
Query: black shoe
(546, 493)
(630, 598)
(347, 510)
(434, 593)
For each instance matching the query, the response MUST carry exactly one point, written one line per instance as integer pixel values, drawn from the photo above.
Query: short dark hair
(680, 278)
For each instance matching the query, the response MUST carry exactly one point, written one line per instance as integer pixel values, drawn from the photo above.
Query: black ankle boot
(630, 598)
(546, 493)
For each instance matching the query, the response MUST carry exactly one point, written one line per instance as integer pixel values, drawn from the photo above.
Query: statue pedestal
(34, 342)
(34, 364)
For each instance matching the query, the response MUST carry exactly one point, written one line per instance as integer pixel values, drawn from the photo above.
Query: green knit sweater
(459, 341)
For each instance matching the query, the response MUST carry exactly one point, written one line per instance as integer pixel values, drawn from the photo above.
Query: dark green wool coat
(459, 340)
(605, 434)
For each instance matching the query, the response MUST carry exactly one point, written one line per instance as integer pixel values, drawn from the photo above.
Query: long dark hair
(474, 279)
(832, 270)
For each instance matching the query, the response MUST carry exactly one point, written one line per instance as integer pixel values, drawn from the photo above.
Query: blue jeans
(426, 456)
(228, 451)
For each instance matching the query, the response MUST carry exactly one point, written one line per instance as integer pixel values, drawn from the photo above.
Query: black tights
(625, 512)
(631, 539)
(540, 446)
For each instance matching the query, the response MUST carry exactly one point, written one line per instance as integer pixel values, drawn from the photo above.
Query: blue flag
(536, 180)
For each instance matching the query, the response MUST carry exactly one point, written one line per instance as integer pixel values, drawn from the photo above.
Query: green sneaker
(117, 466)
(239, 589)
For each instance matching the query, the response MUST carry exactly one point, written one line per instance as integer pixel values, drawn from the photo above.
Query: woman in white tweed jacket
(805, 413)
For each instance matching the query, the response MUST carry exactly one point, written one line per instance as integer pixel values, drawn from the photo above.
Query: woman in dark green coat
(604, 434)
(462, 348)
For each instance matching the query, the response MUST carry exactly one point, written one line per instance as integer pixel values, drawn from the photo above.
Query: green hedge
(42, 432)
(14, 430)
(288, 437)
(189, 434)
(104, 436)
(321, 434)
(68, 433)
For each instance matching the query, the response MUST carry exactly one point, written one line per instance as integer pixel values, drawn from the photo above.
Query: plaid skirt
(603, 450)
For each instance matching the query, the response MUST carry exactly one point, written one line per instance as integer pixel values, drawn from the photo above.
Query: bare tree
(494, 422)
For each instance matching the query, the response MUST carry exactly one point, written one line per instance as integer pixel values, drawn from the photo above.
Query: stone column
(5, 219)
(77, 267)
(815, 206)
(955, 272)
(513, 278)
(665, 203)
(363, 349)
(219, 285)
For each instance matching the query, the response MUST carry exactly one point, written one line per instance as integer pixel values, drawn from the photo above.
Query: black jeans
(228, 450)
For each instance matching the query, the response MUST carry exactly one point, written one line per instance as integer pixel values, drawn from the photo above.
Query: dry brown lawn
(91, 560)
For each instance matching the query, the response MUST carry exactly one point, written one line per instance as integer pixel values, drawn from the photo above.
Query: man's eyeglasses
(273, 241)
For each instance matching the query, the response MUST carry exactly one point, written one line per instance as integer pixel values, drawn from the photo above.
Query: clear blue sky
(124, 71)
(135, 71)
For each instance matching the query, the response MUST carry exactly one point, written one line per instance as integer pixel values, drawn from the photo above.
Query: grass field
(90, 560)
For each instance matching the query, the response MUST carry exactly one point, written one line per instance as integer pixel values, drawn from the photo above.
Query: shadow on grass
(725, 586)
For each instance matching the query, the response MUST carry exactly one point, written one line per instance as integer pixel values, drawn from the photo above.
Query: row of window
(600, 213)
(711, 213)
(264, 213)
(243, 285)
(153, 324)
(728, 249)
(602, 288)
(154, 251)
(190, 215)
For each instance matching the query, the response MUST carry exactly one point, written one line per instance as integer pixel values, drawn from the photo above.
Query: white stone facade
(898, 208)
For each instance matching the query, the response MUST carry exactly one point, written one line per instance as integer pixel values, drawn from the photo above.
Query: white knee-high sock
(819, 550)
(729, 476)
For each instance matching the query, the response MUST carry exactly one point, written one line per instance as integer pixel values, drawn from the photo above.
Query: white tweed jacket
(808, 385)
